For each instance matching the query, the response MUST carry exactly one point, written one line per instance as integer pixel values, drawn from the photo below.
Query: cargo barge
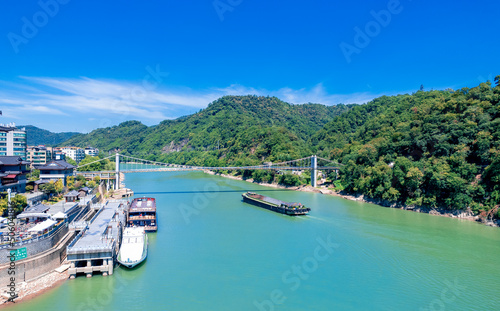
(292, 209)
(142, 213)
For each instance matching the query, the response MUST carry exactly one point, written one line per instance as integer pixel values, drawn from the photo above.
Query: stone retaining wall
(36, 247)
(31, 268)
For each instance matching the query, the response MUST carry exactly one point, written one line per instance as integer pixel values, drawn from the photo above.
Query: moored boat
(287, 208)
(142, 213)
(134, 248)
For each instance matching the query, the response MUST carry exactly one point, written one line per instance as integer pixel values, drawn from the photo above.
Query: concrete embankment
(30, 269)
(36, 274)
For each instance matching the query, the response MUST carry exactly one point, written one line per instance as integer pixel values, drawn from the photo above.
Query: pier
(96, 247)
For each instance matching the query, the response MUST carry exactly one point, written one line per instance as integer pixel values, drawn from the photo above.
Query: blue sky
(72, 65)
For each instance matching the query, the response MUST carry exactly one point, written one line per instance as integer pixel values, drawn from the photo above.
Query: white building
(93, 152)
(74, 153)
(12, 141)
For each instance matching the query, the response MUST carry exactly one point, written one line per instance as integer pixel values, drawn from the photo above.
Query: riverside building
(39, 155)
(12, 141)
(74, 153)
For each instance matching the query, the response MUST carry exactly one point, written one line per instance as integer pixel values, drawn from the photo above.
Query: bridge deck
(178, 169)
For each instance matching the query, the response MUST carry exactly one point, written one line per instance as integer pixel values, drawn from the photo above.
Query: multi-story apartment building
(93, 152)
(57, 154)
(74, 153)
(39, 155)
(12, 141)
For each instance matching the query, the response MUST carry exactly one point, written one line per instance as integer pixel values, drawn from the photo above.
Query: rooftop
(12, 160)
(95, 236)
(72, 193)
(38, 210)
(62, 206)
(41, 208)
(9, 127)
(55, 165)
(143, 204)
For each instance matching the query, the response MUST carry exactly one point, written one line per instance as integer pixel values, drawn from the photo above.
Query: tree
(59, 186)
(71, 161)
(70, 182)
(34, 175)
(48, 188)
(90, 163)
(91, 184)
(289, 179)
(18, 202)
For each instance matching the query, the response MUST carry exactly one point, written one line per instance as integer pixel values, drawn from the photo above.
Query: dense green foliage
(435, 148)
(236, 130)
(19, 202)
(90, 163)
(36, 136)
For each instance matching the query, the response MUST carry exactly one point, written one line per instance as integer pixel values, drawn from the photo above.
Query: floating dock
(96, 247)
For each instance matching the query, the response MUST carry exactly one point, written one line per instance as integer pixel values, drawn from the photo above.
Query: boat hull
(273, 207)
(125, 261)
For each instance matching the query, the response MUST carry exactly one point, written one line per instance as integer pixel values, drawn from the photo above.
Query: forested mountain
(232, 129)
(437, 148)
(434, 148)
(37, 136)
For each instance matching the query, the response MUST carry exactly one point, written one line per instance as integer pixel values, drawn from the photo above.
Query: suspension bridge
(129, 164)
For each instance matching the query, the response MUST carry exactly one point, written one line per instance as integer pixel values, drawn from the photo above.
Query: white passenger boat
(134, 247)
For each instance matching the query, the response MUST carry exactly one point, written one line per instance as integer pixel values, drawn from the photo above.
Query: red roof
(11, 176)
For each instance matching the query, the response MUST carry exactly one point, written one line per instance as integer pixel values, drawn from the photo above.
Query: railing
(75, 239)
(30, 240)
(204, 168)
(72, 250)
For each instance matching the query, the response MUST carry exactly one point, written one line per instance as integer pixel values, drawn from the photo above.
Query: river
(214, 252)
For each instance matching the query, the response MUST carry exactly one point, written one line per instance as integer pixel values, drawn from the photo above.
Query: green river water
(214, 252)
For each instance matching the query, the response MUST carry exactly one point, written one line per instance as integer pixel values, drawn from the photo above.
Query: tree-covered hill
(437, 148)
(37, 136)
(232, 129)
(126, 136)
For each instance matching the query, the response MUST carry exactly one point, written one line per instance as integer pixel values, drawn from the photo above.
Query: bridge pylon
(117, 171)
(314, 171)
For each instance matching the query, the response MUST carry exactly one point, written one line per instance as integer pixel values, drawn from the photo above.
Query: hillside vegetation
(430, 148)
(36, 136)
(231, 130)
(437, 148)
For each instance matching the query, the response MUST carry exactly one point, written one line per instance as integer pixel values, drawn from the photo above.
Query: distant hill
(38, 136)
(437, 149)
(248, 128)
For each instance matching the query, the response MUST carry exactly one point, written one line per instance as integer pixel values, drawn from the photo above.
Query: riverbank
(465, 215)
(30, 289)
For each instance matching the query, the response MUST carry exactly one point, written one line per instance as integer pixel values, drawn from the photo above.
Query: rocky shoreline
(30, 289)
(466, 215)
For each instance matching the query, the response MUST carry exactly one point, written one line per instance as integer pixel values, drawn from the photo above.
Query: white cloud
(98, 99)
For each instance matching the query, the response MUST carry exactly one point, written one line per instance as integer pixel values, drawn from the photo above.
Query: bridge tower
(117, 171)
(314, 171)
